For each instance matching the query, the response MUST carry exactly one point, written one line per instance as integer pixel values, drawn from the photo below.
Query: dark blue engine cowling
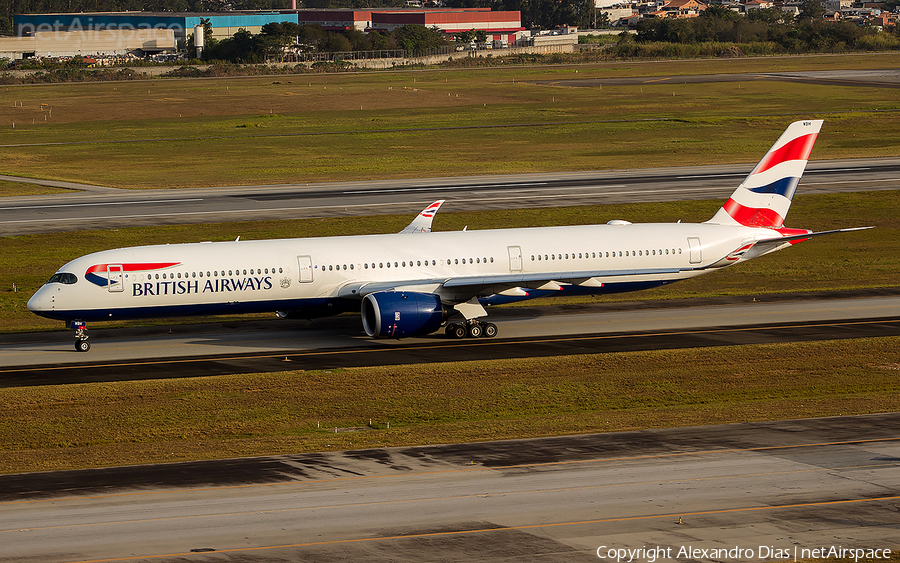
(397, 314)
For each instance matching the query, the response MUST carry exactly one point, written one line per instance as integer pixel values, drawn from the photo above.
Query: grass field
(22, 188)
(68, 426)
(857, 260)
(186, 133)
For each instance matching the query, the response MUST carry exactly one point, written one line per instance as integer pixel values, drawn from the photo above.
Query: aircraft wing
(460, 289)
(422, 222)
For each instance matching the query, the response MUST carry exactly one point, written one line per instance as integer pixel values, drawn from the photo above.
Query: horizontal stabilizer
(767, 245)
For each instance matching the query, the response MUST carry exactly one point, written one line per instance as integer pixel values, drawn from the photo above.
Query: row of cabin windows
(410, 263)
(608, 254)
(216, 273)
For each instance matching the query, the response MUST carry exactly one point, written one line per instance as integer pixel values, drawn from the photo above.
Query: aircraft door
(515, 258)
(114, 275)
(694, 244)
(306, 270)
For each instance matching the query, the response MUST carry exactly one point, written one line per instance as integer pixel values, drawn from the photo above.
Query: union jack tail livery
(422, 222)
(764, 197)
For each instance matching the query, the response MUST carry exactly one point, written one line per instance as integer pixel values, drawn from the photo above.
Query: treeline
(276, 40)
(765, 31)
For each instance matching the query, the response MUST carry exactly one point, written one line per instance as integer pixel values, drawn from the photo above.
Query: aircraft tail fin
(422, 222)
(764, 197)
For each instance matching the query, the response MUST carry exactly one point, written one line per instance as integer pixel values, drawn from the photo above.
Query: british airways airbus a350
(410, 283)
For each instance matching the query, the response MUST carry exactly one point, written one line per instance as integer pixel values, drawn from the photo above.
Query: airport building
(142, 33)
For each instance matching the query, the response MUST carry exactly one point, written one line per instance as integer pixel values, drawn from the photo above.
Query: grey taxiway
(773, 490)
(95, 207)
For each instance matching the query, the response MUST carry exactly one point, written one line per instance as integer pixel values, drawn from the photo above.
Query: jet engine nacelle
(397, 314)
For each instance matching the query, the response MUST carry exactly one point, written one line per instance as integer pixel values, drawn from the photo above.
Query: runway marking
(485, 468)
(441, 188)
(506, 528)
(149, 202)
(454, 344)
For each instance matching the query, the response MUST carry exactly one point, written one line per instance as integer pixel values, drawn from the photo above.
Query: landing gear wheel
(456, 331)
(82, 345)
(475, 330)
(490, 330)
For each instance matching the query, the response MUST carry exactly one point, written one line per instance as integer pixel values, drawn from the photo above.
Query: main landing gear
(471, 328)
(81, 337)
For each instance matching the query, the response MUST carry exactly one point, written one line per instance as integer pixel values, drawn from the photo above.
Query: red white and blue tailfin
(422, 222)
(764, 197)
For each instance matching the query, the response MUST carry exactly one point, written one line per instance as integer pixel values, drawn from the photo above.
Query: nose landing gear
(81, 337)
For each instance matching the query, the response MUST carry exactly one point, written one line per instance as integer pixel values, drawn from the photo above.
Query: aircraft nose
(41, 301)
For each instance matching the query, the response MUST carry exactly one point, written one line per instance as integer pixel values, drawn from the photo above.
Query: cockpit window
(63, 277)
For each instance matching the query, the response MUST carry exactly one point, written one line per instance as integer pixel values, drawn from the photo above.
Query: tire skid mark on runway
(504, 529)
(495, 468)
(433, 499)
(444, 344)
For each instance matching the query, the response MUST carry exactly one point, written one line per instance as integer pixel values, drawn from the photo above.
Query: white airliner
(410, 283)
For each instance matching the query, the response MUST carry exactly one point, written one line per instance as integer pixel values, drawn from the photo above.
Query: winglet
(764, 197)
(422, 222)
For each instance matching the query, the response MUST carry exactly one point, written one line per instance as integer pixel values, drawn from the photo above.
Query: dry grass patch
(294, 411)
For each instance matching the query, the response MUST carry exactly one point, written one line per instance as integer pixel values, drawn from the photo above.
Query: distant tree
(275, 38)
(417, 38)
(770, 16)
(359, 41)
(337, 43)
(718, 11)
(312, 35)
(481, 36)
(466, 36)
(208, 38)
(811, 10)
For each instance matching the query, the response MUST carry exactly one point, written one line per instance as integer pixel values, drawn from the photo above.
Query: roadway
(759, 487)
(94, 207)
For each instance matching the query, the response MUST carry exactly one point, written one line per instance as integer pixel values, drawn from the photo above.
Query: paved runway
(758, 487)
(879, 78)
(346, 332)
(278, 345)
(105, 208)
